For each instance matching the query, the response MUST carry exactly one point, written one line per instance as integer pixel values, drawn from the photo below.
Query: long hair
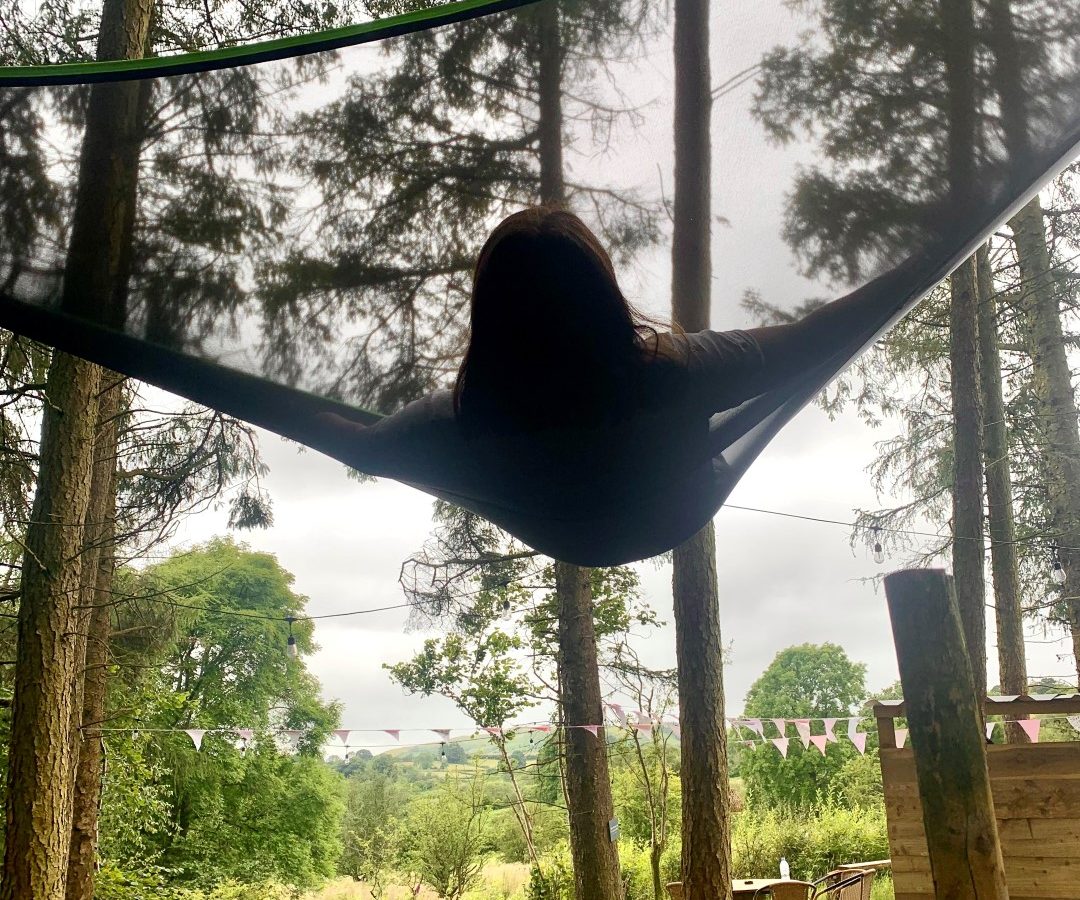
(553, 340)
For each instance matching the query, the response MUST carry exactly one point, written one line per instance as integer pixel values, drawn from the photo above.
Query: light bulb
(1057, 573)
(879, 553)
(291, 648)
(442, 752)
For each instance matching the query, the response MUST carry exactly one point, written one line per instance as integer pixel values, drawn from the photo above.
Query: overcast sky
(782, 581)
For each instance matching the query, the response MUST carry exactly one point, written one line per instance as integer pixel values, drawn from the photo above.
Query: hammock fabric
(306, 211)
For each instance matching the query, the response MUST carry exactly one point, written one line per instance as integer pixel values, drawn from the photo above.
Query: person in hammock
(575, 422)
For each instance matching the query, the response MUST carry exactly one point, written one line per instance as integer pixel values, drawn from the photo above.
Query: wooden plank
(1051, 706)
(1014, 798)
(910, 829)
(1056, 760)
(1049, 879)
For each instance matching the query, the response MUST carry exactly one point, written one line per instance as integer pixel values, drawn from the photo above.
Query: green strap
(262, 51)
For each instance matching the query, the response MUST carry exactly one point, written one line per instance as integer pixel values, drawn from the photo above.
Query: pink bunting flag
(830, 724)
(755, 726)
(819, 741)
(444, 733)
(855, 736)
(493, 731)
(643, 726)
(901, 737)
(1031, 729)
(803, 727)
(594, 730)
(1074, 721)
(781, 726)
(246, 733)
(620, 714)
(544, 728)
(342, 734)
(990, 728)
(395, 733)
(196, 735)
(781, 744)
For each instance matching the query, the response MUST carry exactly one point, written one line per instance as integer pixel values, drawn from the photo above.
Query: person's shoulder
(709, 348)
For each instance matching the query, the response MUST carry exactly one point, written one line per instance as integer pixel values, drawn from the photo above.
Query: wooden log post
(944, 716)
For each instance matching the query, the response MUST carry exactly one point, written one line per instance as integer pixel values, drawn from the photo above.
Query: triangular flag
(901, 737)
(830, 724)
(643, 726)
(990, 727)
(395, 733)
(781, 744)
(803, 727)
(196, 735)
(246, 733)
(444, 733)
(1031, 729)
(619, 713)
(781, 726)
(592, 729)
(543, 728)
(1074, 721)
(755, 726)
(494, 732)
(343, 734)
(856, 737)
(819, 741)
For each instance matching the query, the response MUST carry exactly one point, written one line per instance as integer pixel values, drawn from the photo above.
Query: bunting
(196, 735)
(781, 744)
(901, 737)
(803, 727)
(819, 741)
(1031, 729)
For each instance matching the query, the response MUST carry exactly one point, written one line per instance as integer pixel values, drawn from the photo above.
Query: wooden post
(946, 737)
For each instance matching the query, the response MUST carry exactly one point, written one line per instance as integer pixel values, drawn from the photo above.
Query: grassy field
(502, 881)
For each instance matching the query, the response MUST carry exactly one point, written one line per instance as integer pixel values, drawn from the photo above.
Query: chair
(850, 884)
(786, 890)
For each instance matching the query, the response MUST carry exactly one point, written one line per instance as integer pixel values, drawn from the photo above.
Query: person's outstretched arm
(792, 349)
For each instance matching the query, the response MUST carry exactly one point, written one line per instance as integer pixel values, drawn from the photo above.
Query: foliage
(371, 832)
(443, 836)
(808, 681)
(813, 842)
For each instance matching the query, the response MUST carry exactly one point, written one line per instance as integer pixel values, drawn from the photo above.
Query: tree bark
(596, 862)
(99, 565)
(41, 765)
(1041, 317)
(587, 784)
(1012, 665)
(957, 20)
(706, 842)
(1053, 386)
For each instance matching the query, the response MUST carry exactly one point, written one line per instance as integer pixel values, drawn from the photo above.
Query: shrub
(813, 842)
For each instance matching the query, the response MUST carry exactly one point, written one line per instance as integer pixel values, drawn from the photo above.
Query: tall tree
(706, 846)
(41, 765)
(1008, 612)
(968, 551)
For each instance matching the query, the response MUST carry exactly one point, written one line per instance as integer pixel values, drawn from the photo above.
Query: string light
(879, 552)
(1057, 572)
(290, 646)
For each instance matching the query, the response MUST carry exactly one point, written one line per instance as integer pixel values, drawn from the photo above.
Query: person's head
(553, 339)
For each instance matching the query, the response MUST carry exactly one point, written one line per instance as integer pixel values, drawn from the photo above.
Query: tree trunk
(596, 863)
(1053, 385)
(1012, 665)
(41, 765)
(969, 555)
(1042, 320)
(588, 789)
(706, 853)
(98, 568)
(957, 21)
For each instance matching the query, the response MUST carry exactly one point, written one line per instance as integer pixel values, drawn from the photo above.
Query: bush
(113, 884)
(813, 842)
